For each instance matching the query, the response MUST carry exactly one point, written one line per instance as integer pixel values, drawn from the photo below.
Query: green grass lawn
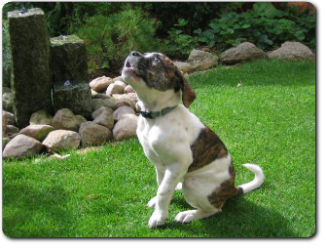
(269, 120)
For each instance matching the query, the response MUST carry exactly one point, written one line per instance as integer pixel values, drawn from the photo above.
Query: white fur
(166, 141)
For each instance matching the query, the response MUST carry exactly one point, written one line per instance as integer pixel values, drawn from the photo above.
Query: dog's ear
(188, 94)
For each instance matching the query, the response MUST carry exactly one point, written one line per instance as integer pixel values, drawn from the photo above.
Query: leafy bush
(197, 14)
(264, 26)
(110, 39)
(179, 43)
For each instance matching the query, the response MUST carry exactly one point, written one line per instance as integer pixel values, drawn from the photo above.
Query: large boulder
(22, 146)
(4, 122)
(38, 132)
(114, 89)
(100, 110)
(117, 114)
(105, 119)
(93, 134)
(292, 51)
(60, 140)
(126, 127)
(242, 53)
(100, 101)
(201, 60)
(40, 117)
(8, 101)
(65, 119)
(101, 83)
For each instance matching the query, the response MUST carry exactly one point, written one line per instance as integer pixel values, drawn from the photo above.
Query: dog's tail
(257, 182)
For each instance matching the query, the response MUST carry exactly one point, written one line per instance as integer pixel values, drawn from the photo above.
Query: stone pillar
(31, 82)
(70, 75)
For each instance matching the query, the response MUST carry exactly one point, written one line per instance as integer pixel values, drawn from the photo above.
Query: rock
(94, 93)
(31, 81)
(38, 132)
(40, 117)
(65, 119)
(101, 83)
(80, 119)
(100, 110)
(121, 83)
(126, 127)
(292, 51)
(244, 52)
(114, 89)
(93, 134)
(184, 67)
(4, 122)
(126, 102)
(131, 96)
(69, 59)
(5, 141)
(8, 101)
(105, 119)
(11, 130)
(11, 118)
(119, 78)
(60, 140)
(108, 102)
(137, 107)
(22, 146)
(200, 60)
(117, 114)
(77, 97)
(129, 89)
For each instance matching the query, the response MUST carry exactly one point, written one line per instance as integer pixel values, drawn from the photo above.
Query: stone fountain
(47, 74)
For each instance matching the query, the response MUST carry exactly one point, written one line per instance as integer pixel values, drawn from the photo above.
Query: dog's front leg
(173, 174)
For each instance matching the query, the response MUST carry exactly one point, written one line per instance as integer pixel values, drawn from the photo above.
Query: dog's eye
(155, 59)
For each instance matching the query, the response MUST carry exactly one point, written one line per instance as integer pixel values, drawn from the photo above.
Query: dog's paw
(157, 219)
(186, 216)
(152, 203)
(191, 215)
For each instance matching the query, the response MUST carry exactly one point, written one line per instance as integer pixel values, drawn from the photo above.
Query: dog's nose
(135, 54)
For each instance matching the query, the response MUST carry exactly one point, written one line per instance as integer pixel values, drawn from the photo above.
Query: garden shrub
(264, 26)
(197, 14)
(110, 39)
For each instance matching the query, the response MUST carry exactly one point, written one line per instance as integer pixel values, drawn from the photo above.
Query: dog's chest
(166, 136)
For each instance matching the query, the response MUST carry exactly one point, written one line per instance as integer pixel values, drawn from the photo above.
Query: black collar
(153, 115)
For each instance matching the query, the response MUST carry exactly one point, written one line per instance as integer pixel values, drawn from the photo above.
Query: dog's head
(156, 71)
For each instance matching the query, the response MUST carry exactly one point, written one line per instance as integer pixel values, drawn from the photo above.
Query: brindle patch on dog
(207, 148)
(227, 190)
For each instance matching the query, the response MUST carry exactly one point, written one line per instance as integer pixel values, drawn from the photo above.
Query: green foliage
(179, 43)
(264, 26)
(197, 14)
(110, 39)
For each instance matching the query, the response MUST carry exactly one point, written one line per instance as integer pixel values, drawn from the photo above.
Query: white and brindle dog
(178, 143)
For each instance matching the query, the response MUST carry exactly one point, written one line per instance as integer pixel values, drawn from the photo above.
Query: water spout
(23, 10)
(63, 37)
(67, 84)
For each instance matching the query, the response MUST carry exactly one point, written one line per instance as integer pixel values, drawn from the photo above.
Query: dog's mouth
(129, 71)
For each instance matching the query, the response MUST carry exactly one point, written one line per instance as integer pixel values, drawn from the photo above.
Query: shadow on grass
(35, 212)
(240, 218)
